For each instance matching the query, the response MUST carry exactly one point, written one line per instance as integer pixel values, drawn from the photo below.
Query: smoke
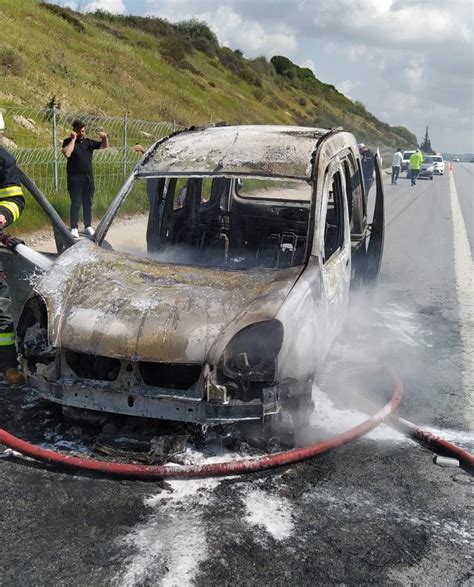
(378, 333)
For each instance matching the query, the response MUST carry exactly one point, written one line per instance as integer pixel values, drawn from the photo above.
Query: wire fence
(35, 137)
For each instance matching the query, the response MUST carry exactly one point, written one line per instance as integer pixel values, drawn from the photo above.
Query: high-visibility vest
(12, 201)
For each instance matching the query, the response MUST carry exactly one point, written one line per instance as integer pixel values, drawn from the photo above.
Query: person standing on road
(415, 164)
(78, 151)
(396, 165)
(368, 166)
(12, 204)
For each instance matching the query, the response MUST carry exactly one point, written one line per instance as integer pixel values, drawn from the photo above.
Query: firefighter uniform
(12, 204)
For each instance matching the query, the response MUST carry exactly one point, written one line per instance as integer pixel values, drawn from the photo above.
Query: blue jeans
(395, 172)
(413, 175)
(81, 190)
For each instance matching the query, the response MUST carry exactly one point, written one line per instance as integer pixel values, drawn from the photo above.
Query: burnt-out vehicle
(255, 236)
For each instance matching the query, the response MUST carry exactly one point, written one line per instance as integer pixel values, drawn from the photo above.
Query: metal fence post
(55, 151)
(125, 149)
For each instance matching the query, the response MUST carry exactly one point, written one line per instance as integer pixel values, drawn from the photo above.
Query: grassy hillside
(105, 64)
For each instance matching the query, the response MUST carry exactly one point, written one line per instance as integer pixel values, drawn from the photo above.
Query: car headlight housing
(252, 353)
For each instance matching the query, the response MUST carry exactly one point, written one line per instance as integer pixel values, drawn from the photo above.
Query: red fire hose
(423, 437)
(238, 466)
(432, 441)
(206, 470)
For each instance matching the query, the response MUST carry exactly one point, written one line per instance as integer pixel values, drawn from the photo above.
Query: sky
(410, 62)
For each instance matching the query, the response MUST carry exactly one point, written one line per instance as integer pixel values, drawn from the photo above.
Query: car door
(335, 249)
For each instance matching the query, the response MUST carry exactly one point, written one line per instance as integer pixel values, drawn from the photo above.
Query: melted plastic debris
(54, 441)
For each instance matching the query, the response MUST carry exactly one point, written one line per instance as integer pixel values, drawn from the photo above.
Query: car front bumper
(153, 403)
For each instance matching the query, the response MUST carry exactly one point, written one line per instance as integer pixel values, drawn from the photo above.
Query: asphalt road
(378, 511)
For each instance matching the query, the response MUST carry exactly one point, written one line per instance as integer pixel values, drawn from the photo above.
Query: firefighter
(12, 203)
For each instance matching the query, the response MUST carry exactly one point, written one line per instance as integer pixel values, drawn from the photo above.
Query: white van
(438, 164)
(406, 160)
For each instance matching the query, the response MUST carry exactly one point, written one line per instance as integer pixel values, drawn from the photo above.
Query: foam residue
(270, 512)
(402, 325)
(171, 544)
(335, 420)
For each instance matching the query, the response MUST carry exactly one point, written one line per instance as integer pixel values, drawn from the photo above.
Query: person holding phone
(78, 151)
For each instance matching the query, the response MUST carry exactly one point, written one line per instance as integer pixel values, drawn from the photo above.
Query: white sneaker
(75, 232)
(89, 230)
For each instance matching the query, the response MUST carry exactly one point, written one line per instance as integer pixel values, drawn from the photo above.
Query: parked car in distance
(427, 168)
(438, 164)
(456, 159)
(406, 160)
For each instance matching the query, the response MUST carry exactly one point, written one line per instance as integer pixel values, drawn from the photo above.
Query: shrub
(204, 45)
(158, 27)
(175, 49)
(189, 67)
(118, 34)
(11, 61)
(262, 65)
(197, 29)
(259, 94)
(230, 60)
(66, 14)
(282, 64)
(250, 76)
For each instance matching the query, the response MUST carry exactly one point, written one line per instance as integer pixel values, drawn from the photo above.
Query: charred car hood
(117, 305)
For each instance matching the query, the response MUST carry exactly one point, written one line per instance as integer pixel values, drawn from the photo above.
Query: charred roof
(271, 151)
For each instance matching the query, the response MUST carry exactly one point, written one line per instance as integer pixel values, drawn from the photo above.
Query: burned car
(255, 236)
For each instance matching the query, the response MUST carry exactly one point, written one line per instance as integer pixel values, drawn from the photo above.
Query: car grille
(173, 376)
(170, 375)
(93, 366)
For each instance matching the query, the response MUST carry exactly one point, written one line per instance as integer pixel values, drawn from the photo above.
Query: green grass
(111, 65)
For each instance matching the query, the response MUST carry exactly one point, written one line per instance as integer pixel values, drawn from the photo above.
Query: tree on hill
(426, 144)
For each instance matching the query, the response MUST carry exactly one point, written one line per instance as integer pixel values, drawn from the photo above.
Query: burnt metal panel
(149, 403)
(273, 151)
(116, 305)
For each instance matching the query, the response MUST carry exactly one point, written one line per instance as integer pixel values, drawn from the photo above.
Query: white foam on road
(270, 512)
(336, 420)
(465, 290)
(171, 544)
(401, 324)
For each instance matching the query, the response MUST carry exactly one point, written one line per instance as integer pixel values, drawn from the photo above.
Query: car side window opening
(231, 223)
(355, 197)
(334, 222)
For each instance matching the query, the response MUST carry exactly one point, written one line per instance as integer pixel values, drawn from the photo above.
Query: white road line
(465, 290)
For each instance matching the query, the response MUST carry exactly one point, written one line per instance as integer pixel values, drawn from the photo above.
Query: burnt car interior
(229, 223)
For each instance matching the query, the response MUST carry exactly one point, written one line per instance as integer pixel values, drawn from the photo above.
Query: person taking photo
(78, 150)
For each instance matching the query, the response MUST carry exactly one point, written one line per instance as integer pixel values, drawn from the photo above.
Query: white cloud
(414, 72)
(230, 27)
(309, 63)
(346, 86)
